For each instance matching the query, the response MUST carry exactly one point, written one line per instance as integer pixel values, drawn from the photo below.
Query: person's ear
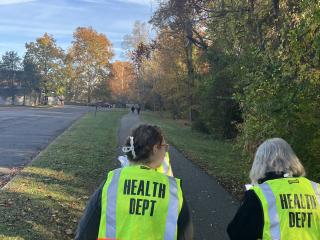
(155, 149)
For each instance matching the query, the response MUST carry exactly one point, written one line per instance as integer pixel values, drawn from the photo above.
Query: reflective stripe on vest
(316, 190)
(165, 167)
(272, 210)
(112, 205)
(171, 221)
(291, 208)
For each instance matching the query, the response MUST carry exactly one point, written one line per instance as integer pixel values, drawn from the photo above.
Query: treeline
(80, 74)
(239, 69)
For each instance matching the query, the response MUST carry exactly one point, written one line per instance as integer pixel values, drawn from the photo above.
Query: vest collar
(140, 166)
(271, 176)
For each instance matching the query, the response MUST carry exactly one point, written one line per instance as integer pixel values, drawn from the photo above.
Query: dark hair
(144, 138)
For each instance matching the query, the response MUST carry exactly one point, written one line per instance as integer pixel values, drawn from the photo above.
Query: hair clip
(126, 149)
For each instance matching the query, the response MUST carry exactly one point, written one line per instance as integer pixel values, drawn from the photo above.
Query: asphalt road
(211, 206)
(24, 132)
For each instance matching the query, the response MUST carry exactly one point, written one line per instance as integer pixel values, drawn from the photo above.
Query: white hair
(275, 155)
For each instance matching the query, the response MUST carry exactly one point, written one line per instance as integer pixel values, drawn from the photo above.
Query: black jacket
(88, 227)
(249, 220)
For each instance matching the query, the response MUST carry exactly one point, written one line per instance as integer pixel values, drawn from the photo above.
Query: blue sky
(23, 21)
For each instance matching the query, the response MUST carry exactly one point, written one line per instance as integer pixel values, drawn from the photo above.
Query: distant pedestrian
(138, 110)
(281, 204)
(132, 109)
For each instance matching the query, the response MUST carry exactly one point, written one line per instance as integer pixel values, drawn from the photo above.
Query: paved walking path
(211, 206)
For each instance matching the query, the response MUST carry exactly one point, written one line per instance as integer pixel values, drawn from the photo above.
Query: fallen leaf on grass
(7, 203)
(84, 197)
(68, 231)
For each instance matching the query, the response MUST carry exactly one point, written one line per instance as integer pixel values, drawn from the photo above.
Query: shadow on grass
(31, 217)
(43, 203)
(47, 199)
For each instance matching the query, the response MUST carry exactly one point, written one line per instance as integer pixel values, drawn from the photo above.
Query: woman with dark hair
(137, 202)
(281, 203)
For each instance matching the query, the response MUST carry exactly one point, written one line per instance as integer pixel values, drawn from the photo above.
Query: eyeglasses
(166, 146)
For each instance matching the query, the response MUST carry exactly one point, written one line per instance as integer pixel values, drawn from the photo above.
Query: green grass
(47, 199)
(218, 158)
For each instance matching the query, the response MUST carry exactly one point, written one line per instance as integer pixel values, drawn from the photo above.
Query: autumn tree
(122, 76)
(48, 59)
(249, 69)
(186, 17)
(91, 53)
(72, 88)
(139, 34)
(170, 75)
(133, 43)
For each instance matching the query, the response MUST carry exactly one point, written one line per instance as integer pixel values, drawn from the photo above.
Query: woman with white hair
(281, 203)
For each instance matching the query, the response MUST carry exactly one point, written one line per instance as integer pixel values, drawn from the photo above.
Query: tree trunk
(260, 35)
(46, 97)
(89, 95)
(189, 33)
(277, 22)
(39, 98)
(12, 88)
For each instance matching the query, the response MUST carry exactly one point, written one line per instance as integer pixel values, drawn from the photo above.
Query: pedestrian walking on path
(149, 204)
(212, 208)
(281, 204)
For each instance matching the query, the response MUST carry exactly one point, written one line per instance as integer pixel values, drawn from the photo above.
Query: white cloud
(140, 2)
(7, 2)
(34, 31)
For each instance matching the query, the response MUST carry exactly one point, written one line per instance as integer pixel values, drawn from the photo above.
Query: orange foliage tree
(91, 53)
(122, 76)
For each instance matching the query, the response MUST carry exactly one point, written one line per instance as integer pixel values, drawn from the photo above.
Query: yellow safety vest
(291, 209)
(140, 203)
(165, 167)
